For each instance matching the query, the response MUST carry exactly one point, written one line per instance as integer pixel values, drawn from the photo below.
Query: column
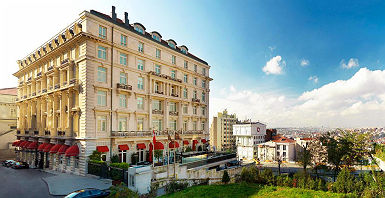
(149, 113)
(38, 116)
(166, 114)
(69, 117)
(55, 119)
(180, 119)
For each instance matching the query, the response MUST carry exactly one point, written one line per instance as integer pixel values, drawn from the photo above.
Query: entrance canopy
(72, 151)
(102, 149)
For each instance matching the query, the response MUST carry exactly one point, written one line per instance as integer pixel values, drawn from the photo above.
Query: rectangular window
(123, 78)
(277, 147)
(157, 69)
(102, 123)
(140, 103)
(102, 53)
(195, 94)
(140, 83)
(185, 78)
(140, 30)
(156, 88)
(102, 32)
(185, 64)
(139, 124)
(173, 74)
(203, 84)
(185, 125)
(195, 81)
(140, 47)
(102, 74)
(284, 147)
(156, 105)
(185, 109)
(203, 124)
(158, 53)
(204, 71)
(102, 98)
(185, 92)
(172, 106)
(123, 40)
(194, 110)
(141, 65)
(195, 125)
(123, 59)
(173, 59)
(156, 37)
(203, 110)
(203, 97)
(157, 125)
(195, 68)
(122, 124)
(123, 100)
(172, 124)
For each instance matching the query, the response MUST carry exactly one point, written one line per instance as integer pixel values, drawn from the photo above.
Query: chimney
(113, 13)
(126, 21)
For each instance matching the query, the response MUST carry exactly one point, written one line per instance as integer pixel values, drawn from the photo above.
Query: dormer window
(156, 36)
(171, 43)
(139, 28)
(183, 49)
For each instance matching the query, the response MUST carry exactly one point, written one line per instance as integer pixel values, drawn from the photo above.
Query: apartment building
(106, 84)
(248, 135)
(221, 131)
(279, 148)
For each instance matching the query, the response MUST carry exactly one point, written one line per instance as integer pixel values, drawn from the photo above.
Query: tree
(115, 159)
(345, 182)
(305, 157)
(158, 154)
(319, 156)
(95, 156)
(225, 177)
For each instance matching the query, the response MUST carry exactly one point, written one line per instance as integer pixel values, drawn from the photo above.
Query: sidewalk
(63, 183)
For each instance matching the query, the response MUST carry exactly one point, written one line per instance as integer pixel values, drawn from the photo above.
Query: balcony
(174, 95)
(25, 96)
(21, 83)
(192, 132)
(26, 132)
(50, 68)
(195, 100)
(29, 79)
(131, 133)
(36, 132)
(73, 81)
(34, 94)
(173, 113)
(47, 132)
(157, 111)
(50, 87)
(61, 133)
(18, 132)
(64, 83)
(57, 86)
(123, 86)
(44, 91)
(158, 92)
(65, 61)
(38, 74)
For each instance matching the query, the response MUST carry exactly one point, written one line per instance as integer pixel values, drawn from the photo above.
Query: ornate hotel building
(105, 84)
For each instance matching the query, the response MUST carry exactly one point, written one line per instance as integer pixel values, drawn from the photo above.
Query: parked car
(20, 165)
(88, 193)
(8, 163)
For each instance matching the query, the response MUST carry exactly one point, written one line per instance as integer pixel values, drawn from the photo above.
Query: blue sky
(238, 39)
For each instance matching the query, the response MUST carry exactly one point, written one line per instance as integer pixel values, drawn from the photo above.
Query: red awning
(55, 148)
(102, 149)
(72, 151)
(173, 144)
(158, 146)
(41, 146)
(15, 143)
(62, 149)
(27, 145)
(185, 142)
(23, 144)
(123, 147)
(195, 141)
(141, 146)
(47, 147)
(203, 141)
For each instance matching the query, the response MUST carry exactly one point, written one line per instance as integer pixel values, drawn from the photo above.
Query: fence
(104, 171)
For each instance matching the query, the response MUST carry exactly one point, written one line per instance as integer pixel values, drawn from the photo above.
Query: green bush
(225, 177)
(122, 191)
(115, 159)
(175, 186)
(122, 165)
(345, 182)
(95, 156)
(267, 177)
(188, 149)
(249, 174)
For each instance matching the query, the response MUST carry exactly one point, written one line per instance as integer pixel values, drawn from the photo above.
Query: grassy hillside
(250, 190)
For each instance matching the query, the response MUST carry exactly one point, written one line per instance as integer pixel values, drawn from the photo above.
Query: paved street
(23, 183)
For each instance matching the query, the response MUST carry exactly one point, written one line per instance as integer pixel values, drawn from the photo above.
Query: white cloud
(356, 102)
(313, 78)
(305, 62)
(353, 62)
(274, 66)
